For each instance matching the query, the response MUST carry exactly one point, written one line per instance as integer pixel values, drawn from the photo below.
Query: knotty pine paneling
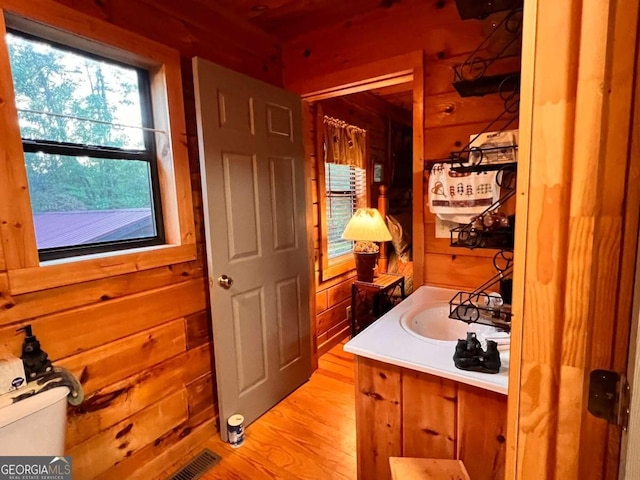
(119, 400)
(321, 301)
(5, 298)
(80, 329)
(457, 271)
(40, 303)
(200, 394)
(429, 415)
(195, 30)
(339, 330)
(107, 364)
(379, 404)
(450, 138)
(482, 433)
(3, 266)
(142, 342)
(128, 436)
(450, 109)
(198, 328)
(159, 459)
(333, 315)
(435, 29)
(401, 412)
(338, 293)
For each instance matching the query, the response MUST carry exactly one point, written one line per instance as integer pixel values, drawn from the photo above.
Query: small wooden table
(380, 289)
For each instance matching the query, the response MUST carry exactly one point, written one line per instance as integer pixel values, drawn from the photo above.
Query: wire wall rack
(490, 229)
(490, 303)
(471, 158)
(482, 73)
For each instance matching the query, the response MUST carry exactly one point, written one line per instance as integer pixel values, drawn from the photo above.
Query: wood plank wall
(371, 113)
(435, 28)
(141, 343)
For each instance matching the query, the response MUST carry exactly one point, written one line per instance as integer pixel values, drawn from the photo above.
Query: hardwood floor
(308, 435)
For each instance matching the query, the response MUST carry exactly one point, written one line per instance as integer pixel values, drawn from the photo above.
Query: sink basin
(433, 324)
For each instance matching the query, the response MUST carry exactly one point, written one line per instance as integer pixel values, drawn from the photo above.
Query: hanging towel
(458, 197)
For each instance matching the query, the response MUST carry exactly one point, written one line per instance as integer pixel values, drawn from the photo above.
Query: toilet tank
(35, 425)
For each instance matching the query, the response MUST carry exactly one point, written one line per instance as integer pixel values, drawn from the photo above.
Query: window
(342, 189)
(89, 148)
(139, 174)
(345, 192)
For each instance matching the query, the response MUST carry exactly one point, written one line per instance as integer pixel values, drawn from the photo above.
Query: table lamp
(366, 227)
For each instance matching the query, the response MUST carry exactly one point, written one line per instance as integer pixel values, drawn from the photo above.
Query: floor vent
(196, 467)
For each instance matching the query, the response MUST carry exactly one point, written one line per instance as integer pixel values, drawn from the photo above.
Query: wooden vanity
(412, 402)
(402, 412)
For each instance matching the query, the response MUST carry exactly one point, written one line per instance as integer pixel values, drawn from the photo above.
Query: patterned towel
(458, 197)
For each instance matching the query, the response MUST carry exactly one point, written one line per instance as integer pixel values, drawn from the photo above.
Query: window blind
(345, 192)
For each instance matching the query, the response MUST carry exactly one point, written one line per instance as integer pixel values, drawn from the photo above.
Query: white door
(252, 169)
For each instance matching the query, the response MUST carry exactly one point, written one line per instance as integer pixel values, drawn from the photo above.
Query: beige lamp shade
(367, 225)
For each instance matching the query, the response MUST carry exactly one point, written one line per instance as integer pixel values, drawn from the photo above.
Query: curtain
(345, 144)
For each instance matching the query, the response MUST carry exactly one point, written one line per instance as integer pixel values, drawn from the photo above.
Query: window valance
(345, 144)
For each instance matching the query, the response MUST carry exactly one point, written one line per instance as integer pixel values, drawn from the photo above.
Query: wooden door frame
(392, 71)
(576, 233)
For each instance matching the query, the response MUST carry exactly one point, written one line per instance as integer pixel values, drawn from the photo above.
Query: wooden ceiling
(287, 19)
(400, 95)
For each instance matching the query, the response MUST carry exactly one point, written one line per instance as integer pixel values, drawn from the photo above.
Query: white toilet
(35, 425)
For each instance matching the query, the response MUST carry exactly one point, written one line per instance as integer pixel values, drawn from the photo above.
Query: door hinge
(609, 397)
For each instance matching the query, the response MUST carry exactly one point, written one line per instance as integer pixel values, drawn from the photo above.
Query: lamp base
(365, 264)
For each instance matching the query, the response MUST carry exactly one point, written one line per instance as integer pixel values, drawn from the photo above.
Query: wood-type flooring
(308, 435)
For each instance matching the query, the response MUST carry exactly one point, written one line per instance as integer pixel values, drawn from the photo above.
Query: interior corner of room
(179, 193)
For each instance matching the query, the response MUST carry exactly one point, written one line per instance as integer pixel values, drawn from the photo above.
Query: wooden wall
(141, 343)
(434, 28)
(195, 28)
(371, 113)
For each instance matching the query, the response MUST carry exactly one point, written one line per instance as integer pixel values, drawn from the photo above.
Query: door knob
(225, 282)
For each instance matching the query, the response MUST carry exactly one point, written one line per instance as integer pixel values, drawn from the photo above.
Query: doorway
(394, 161)
(386, 128)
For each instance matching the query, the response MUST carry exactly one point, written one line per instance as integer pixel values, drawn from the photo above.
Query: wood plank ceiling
(399, 95)
(287, 19)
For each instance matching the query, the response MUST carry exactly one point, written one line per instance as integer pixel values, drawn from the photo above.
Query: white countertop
(387, 341)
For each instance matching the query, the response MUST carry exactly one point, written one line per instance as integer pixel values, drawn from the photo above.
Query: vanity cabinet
(402, 412)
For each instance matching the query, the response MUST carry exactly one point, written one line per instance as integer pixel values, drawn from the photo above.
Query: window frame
(25, 271)
(71, 149)
(330, 268)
